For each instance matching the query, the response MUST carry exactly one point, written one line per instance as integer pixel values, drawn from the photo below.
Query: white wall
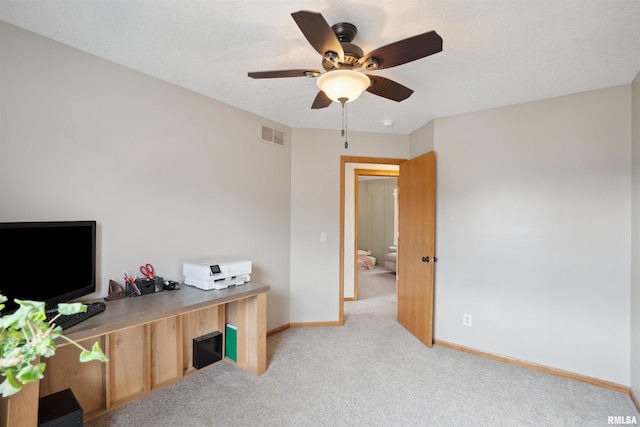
(168, 175)
(315, 209)
(533, 231)
(635, 242)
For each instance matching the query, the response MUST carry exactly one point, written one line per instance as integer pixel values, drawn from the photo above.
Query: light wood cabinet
(149, 342)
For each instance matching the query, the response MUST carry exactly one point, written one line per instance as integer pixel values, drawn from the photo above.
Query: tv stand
(148, 341)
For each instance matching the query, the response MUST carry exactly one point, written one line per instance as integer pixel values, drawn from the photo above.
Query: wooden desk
(148, 340)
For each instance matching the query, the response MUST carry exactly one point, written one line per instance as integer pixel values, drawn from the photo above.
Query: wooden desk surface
(127, 312)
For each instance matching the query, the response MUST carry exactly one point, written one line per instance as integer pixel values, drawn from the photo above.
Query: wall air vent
(271, 135)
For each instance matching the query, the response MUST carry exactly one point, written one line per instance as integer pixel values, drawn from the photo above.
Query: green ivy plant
(26, 335)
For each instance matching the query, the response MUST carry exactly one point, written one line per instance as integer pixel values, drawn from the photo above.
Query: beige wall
(315, 209)
(168, 175)
(533, 231)
(422, 140)
(635, 243)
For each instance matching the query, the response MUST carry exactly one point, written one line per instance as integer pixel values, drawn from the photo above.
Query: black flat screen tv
(52, 261)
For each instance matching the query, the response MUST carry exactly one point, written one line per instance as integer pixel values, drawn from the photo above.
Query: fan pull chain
(343, 101)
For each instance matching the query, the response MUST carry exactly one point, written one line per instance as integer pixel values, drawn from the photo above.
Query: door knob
(425, 259)
(435, 259)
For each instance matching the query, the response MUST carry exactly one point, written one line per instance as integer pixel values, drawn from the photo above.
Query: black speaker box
(59, 409)
(207, 349)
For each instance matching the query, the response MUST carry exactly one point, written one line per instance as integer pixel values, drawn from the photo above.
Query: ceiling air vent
(271, 135)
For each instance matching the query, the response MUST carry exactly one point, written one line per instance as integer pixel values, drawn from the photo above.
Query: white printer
(216, 273)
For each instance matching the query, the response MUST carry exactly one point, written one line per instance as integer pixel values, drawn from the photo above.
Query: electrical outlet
(466, 319)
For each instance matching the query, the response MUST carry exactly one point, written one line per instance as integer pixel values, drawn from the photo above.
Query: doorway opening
(375, 220)
(348, 242)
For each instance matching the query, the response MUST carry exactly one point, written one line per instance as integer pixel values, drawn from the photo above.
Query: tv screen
(51, 261)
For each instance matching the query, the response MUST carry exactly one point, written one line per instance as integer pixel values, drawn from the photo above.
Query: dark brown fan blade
(388, 89)
(283, 73)
(318, 33)
(321, 101)
(406, 50)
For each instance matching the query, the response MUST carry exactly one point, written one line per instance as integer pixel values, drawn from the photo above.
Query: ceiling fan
(345, 63)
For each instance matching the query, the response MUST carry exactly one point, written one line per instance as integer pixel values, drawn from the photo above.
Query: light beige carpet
(371, 372)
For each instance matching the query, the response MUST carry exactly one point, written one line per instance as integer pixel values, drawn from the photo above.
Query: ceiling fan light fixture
(339, 84)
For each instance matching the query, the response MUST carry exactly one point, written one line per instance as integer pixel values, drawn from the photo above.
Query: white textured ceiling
(496, 52)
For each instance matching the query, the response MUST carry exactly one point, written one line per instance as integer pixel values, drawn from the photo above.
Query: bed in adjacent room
(365, 260)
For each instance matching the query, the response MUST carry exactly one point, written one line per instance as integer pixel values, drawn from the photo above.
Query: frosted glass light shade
(338, 84)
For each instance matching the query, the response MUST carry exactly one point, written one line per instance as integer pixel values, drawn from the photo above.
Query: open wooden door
(416, 246)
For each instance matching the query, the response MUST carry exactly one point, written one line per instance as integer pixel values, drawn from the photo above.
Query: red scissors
(147, 270)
